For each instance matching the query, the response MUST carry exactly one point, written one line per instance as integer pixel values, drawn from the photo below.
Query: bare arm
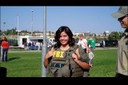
(87, 47)
(76, 57)
(82, 64)
(47, 56)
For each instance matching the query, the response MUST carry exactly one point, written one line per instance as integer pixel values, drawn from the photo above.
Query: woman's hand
(50, 53)
(47, 56)
(75, 56)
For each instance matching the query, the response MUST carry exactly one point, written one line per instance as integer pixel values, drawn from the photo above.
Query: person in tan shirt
(122, 53)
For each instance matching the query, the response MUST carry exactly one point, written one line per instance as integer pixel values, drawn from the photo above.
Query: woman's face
(64, 38)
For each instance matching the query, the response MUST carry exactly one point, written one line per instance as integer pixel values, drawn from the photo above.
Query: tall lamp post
(4, 23)
(44, 48)
(32, 23)
(17, 26)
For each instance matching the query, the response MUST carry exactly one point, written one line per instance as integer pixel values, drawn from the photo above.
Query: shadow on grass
(14, 58)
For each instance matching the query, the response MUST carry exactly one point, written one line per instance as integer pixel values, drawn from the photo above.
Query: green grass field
(28, 63)
(104, 63)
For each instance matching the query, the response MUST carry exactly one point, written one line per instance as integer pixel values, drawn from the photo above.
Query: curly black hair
(67, 30)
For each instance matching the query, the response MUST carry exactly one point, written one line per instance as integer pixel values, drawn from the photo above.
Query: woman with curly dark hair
(65, 58)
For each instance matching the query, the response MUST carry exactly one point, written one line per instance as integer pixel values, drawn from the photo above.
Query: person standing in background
(122, 52)
(5, 47)
(38, 45)
(92, 42)
(83, 43)
(103, 43)
(1, 46)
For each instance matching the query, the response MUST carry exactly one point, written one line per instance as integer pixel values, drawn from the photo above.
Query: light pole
(32, 23)
(17, 22)
(4, 23)
(17, 26)
(44, 48)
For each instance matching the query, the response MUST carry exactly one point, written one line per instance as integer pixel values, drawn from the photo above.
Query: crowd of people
(34, 45)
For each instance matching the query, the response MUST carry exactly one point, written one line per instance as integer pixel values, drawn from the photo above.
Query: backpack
(65, 66)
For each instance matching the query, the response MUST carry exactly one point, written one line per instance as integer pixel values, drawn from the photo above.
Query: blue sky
(94, 19)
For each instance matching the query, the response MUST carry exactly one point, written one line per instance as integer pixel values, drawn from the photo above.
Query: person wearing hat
(122, 52)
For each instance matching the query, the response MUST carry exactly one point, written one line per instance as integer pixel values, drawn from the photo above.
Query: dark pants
(118, 75)
(4, 54)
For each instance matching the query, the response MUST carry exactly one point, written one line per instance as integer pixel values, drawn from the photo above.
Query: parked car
(111, 43)
(98, 43)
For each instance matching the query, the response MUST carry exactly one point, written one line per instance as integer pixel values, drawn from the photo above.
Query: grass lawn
(28, 63)
(104, 63)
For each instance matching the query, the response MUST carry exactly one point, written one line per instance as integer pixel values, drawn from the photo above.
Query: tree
(114, 36)
(0, 32)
